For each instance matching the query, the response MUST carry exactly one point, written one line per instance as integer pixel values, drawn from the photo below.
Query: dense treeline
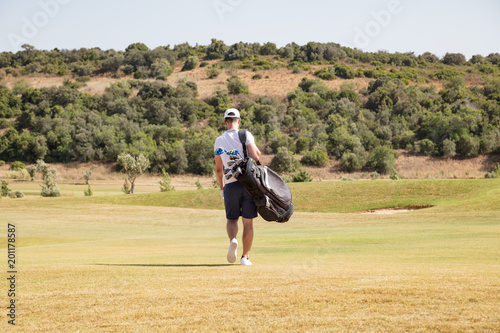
(175, 130)
(143, 62)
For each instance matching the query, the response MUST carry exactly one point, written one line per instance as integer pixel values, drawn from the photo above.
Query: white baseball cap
(231, 113)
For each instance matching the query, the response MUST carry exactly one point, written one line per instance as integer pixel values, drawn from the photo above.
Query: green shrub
(204, 64)
(190, 63)
(383, 159)
(4, 189)
(82, 79)
(284, 161)
(351, 162)
(445, 74)
(449, 148)
(17, 166)
(496, 170)
(489, 175)
(374, 175)
(257, 77)
(2, 163)
(326, 73)
(302, 144)
(425, 147)
(19, 194)
(213, 72)
(316, 157)
(345, 72)
(198, 184)
(236, 86)
(454, 59)
(302, 177)
(394, 174)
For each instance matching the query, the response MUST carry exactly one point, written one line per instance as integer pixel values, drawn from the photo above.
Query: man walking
(237, 201)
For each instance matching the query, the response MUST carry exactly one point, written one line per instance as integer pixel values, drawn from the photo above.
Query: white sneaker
(232, 252)
(245, 261)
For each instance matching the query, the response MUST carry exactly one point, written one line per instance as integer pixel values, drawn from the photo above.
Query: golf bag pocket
(270, 211)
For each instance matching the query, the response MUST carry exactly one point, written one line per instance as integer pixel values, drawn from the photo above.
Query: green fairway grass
(152, 262)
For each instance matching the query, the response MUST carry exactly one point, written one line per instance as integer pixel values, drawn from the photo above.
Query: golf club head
(226, 171)
(230, 163)
(228, 176)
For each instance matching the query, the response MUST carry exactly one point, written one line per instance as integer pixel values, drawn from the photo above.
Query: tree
(190, 63)
(383, 159)
(49, 175)
(449, 148)
(134, 167)
(316, 157)
(216, 49)
(268, 49)
(454, 59)
(236, 86)
(284, 161)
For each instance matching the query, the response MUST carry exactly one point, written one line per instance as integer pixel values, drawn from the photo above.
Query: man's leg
(232, 228)
(247, 236)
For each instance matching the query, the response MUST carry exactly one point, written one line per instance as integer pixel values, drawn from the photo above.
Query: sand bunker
(395, 210)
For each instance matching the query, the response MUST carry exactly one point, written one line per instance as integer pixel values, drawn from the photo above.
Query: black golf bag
(271, 194)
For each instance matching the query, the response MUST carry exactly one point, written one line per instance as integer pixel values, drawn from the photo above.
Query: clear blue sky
(438, 26)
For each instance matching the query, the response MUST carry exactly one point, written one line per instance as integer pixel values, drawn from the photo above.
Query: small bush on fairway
(86, 175)
(134, 167)
(88, 192)
(198, 184)
(394, 174)
(496, 171)
(4, 190)
(49, 175)
(31, 171)
(165, 182)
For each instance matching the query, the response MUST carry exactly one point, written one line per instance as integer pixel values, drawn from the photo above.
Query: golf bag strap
(242, 134)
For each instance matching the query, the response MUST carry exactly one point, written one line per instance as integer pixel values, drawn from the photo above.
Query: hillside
(314, 107)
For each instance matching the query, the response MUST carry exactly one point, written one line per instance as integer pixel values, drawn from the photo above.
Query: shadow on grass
(166, 265)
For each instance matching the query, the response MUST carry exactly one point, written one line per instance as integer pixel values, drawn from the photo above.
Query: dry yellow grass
(113, 268)
(279, 82)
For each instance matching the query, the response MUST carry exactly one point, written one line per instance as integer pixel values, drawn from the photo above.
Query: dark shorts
(238, 202)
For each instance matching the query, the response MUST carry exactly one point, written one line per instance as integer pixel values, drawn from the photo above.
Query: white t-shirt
(230, 140)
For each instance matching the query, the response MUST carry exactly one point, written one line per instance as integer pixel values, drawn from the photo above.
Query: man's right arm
(219, 168)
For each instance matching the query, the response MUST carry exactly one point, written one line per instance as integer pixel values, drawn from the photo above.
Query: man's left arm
(253, 152)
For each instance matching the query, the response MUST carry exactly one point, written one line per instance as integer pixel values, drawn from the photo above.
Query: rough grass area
(341, 197)
(132, 264)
